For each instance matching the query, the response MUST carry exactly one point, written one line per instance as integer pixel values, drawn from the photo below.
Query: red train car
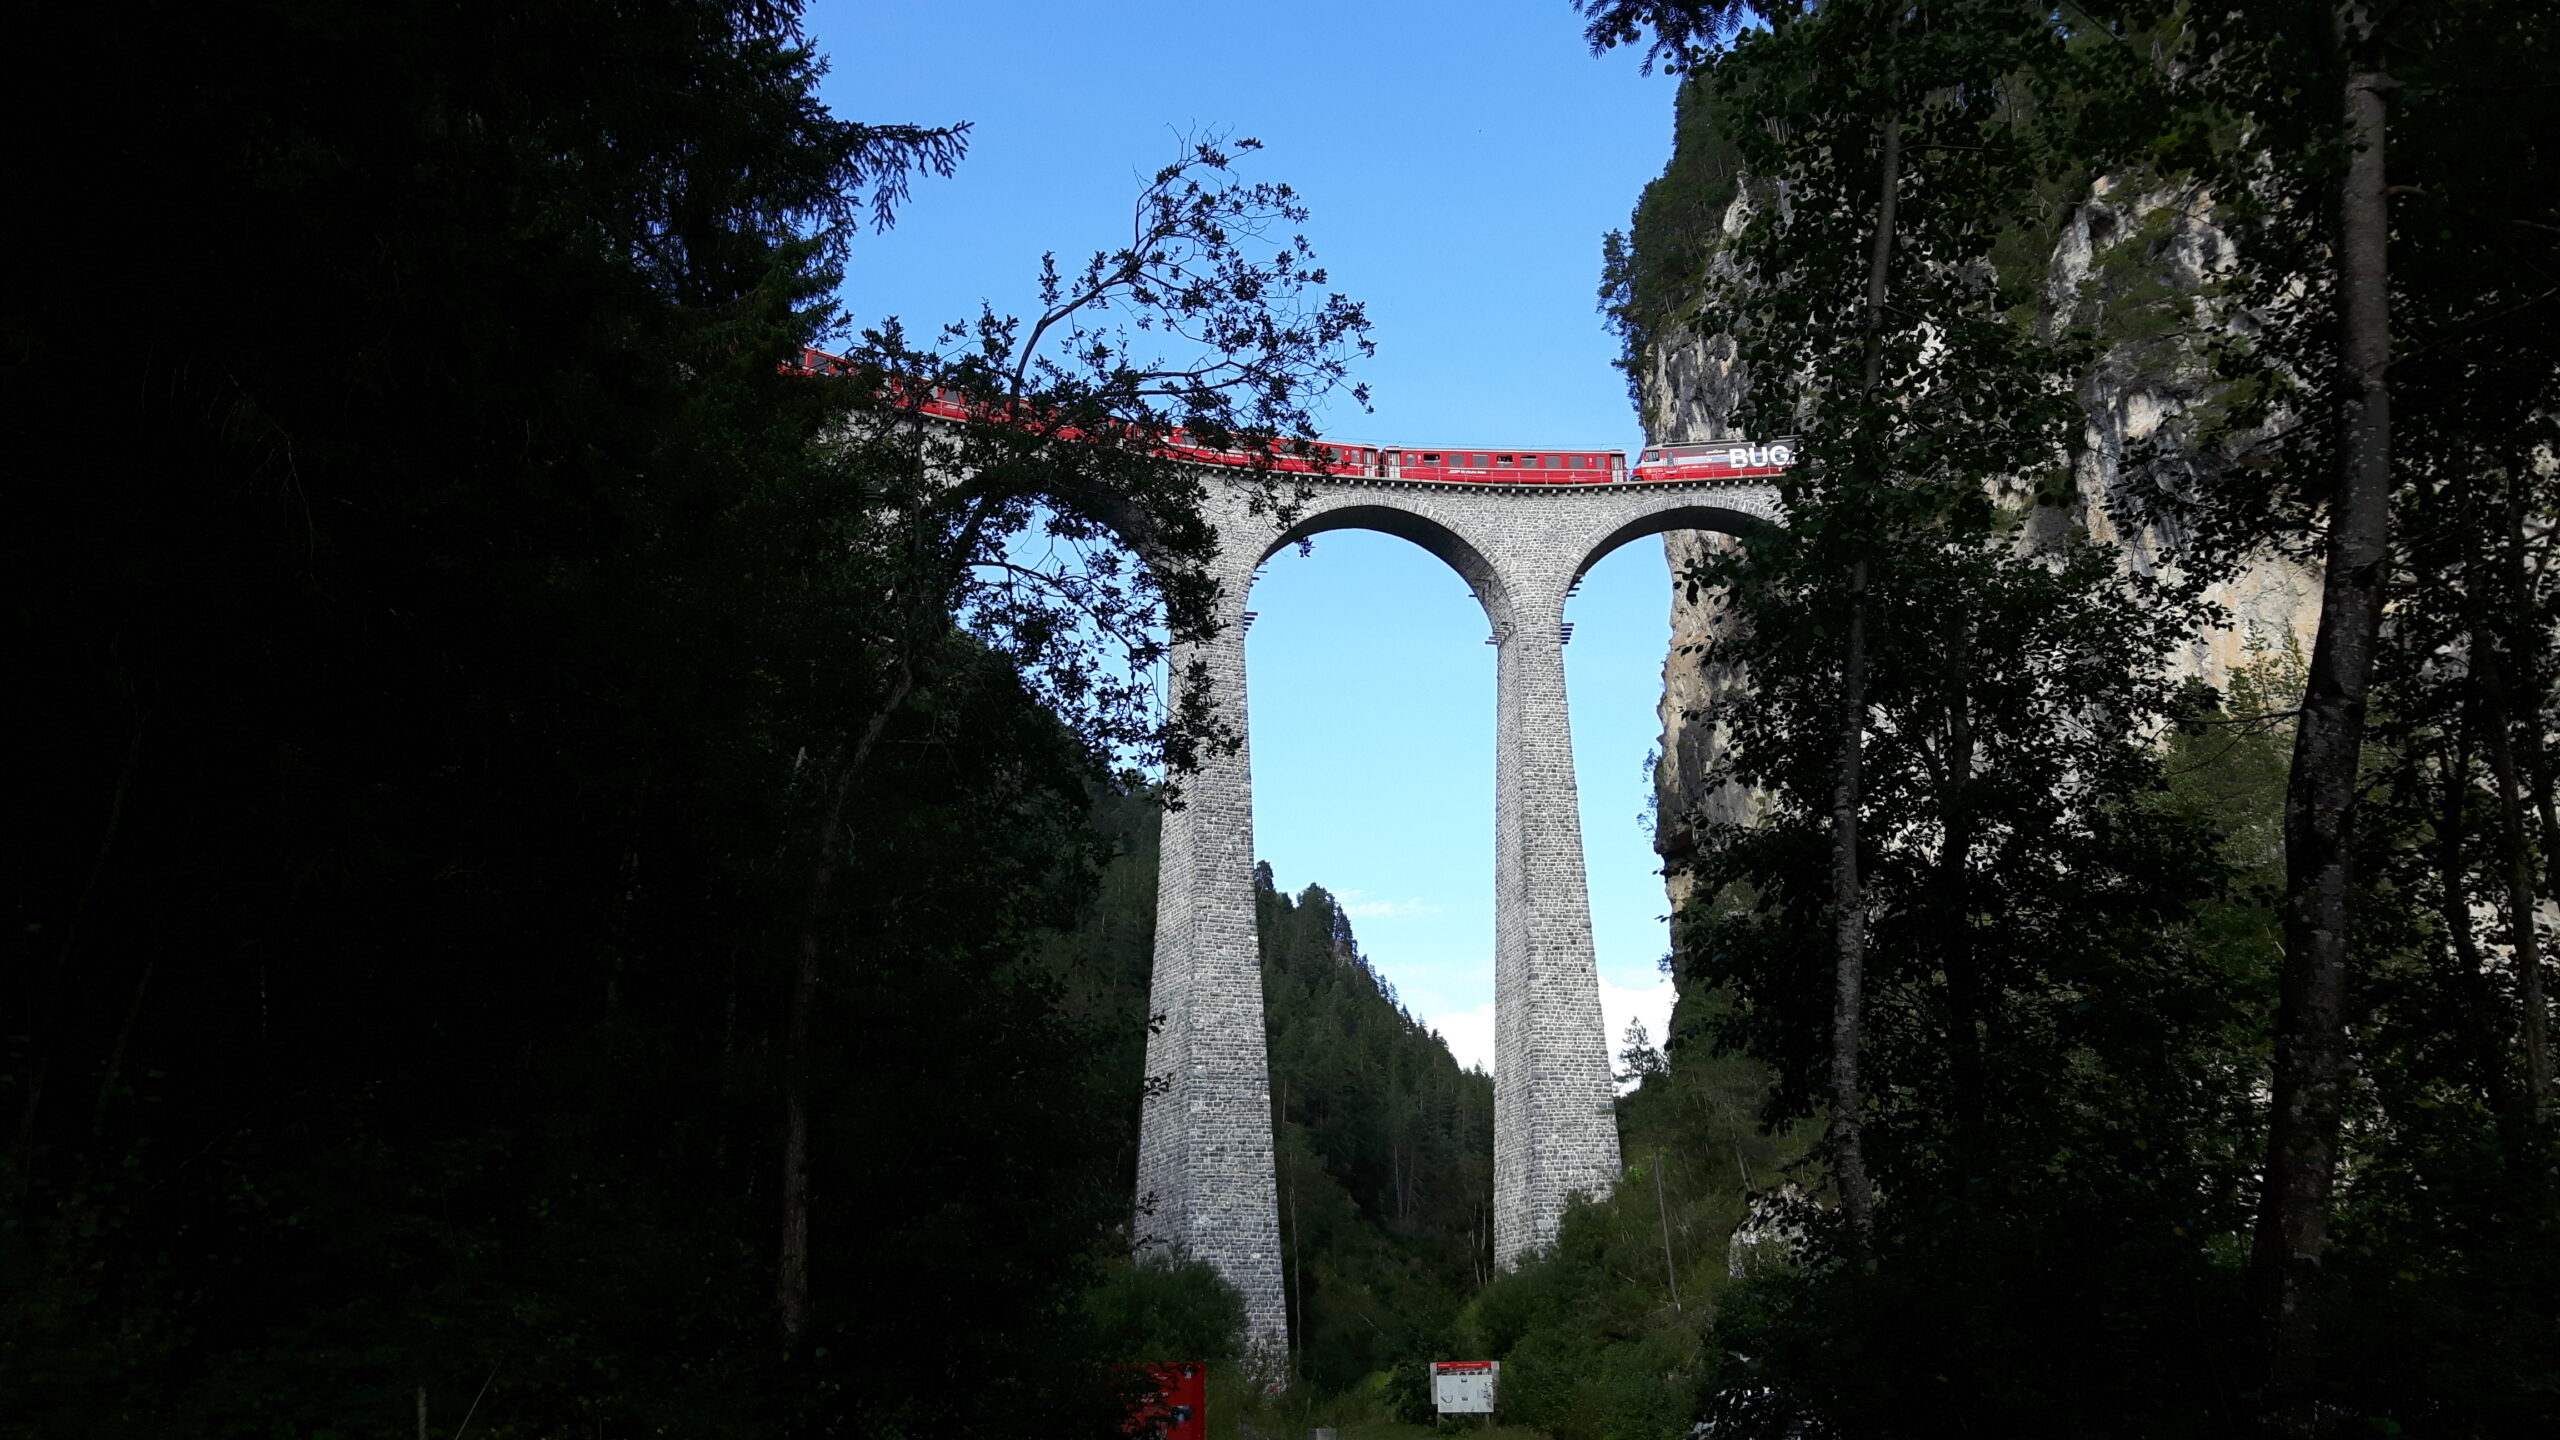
(1484, 465)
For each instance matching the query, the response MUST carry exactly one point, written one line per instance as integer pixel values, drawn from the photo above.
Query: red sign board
(1179, 1407)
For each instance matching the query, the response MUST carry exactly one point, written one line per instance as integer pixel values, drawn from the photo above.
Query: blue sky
(1462, 161)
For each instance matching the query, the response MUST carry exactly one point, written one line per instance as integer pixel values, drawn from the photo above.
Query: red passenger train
(1722, 460)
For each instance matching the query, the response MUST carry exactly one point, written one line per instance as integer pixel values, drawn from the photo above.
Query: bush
(1155, 1311)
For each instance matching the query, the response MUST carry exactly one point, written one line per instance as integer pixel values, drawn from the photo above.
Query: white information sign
(1464, 1387)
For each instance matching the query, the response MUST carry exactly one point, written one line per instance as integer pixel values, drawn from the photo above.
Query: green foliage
(1155, 1312)
(2053, 1057)
(2067, 1031)
(1609, 1333)
(1652, 274)
(517, 756)
(2445, 1246)
(1385, 1152)
(2438, 1235)
(2045, 1051)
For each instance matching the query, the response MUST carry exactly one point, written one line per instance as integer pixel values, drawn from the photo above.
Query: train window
(1546, 462)
(1479, 460)
(1430, 459)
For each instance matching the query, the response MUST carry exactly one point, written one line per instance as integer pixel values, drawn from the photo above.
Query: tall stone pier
(1205, 1174)
(1205, 1179)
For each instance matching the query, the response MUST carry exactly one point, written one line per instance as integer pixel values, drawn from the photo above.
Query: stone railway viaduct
(1205, 1176)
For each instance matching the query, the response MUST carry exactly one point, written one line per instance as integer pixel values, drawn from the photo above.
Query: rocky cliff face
(2127, 262)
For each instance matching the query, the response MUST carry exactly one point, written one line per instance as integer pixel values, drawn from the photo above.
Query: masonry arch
(1687, 516)
(1435, 538)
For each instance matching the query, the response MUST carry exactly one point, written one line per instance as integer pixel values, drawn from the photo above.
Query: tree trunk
(115, 1055)
(2524, 692)
(1849, 931)
(791, 1283)
(791, 1280)
(1662, 1211)
(2514, 850)
(1848, 899)
(2480, 1007)
(2310, 1041)
(2529, 676)
(51, 995)
(1955, 817)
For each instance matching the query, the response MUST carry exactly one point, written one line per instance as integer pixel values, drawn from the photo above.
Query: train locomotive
(1713, 461)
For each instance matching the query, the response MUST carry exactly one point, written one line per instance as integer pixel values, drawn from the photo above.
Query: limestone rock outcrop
(2126, 261)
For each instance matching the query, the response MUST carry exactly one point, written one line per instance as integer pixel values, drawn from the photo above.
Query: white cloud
(1470, 1036)
(1470, 1032)
(1649, 1004)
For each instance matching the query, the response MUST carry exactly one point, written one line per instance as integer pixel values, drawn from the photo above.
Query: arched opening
(1433, 537)
(1371, 694)
(1619, 619)
(1676, 517)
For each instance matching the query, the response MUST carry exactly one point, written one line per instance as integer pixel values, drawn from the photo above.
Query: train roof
(1690, 446)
